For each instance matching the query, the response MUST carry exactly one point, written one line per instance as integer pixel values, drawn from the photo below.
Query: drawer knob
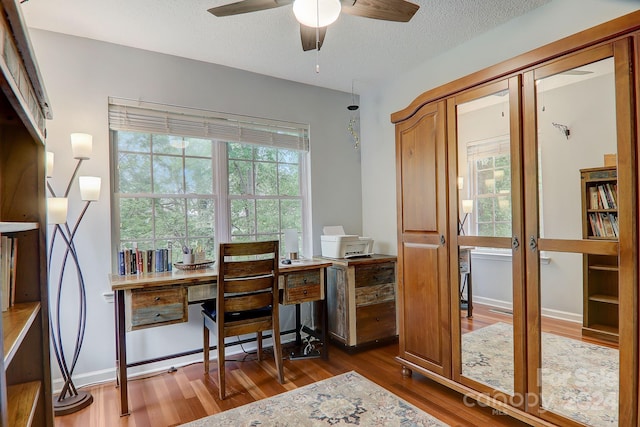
(157, 298)
(377, 319)
(157, 315)
(304, 292)
(305, 281)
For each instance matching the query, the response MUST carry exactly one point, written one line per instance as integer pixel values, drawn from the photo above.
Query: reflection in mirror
(484, 172)
(576, 130)
(576, 119)
(579, 375)
(487, 339)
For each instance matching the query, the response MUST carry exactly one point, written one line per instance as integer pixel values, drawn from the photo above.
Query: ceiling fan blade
(387, 10)
(247, 6)
(308, 36)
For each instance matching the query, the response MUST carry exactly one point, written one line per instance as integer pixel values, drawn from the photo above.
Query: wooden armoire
(492, 162)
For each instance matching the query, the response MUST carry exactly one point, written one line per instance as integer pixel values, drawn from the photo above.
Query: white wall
(80, 74)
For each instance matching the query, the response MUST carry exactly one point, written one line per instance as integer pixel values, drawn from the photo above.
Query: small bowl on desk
(193, 266)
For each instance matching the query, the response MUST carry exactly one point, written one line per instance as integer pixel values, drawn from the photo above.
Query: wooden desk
(159, 299)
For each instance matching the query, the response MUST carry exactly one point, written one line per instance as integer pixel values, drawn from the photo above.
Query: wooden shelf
(15, 324)
(603, 267)
(14, 227)
(608, 299)
(22, 402)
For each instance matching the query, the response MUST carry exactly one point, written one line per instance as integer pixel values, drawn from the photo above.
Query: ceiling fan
(315, 15)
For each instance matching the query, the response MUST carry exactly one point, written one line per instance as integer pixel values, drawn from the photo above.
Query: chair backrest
(247, 276)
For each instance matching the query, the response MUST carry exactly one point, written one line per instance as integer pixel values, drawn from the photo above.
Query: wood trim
(590, 37)
(586, 246)
(627, 217)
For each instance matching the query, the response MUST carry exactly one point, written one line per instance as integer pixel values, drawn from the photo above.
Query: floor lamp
(467, 208)
(70, 399)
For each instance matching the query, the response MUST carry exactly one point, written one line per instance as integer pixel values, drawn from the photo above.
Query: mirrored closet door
(487, 297)
(578, 180)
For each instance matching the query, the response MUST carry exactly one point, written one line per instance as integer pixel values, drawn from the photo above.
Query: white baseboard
(546, 312)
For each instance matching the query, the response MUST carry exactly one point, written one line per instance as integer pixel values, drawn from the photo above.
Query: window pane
(201, 218)
(240, 177)
(266, 153)
(198, 147)
(266, 179)
(240, 151)
(242, 217)
(268, 216)
(135, 219)
(288, 156)
(135, 170)
(291, 212)
(167, 144)
(170, 218)
(168, 175)
(133, 141)
(198, 176)
(289, 180)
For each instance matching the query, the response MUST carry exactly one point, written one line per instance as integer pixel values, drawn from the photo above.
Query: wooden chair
(247, 300)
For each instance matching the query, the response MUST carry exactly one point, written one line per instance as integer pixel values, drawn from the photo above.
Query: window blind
(147, 117)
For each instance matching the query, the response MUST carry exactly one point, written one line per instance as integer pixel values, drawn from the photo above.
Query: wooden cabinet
(361, 298)
(423, 287)
(435, 339)
(25, 375)
(600, 272)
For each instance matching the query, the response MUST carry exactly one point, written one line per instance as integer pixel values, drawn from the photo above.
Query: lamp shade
(467, 206)
(316, 13)
(291, 240)
(89, 187)
(49, 164)
(81, 145)
(57, 210)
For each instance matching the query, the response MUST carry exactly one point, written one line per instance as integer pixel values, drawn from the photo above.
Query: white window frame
(151, 118)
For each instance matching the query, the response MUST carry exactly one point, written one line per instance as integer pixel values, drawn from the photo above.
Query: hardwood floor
(169, 399)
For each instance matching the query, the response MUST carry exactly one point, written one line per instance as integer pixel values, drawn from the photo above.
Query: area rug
(347, 399)
(579, 379)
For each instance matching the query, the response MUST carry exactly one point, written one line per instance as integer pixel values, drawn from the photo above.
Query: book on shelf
(594, 199)
(8, 257)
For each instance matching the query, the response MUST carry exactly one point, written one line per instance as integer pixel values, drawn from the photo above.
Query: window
(490, 168)
(175, 190)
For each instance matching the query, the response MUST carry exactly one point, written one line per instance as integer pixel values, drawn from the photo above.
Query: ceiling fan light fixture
(316, 13)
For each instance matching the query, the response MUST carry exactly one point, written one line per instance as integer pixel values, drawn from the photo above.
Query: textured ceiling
(356, 51)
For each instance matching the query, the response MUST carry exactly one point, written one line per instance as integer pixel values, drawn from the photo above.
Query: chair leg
(221, 370)
(277, 354)
(259, 341)
(205, 347)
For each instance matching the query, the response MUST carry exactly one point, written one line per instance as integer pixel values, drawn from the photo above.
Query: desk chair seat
(247, 298)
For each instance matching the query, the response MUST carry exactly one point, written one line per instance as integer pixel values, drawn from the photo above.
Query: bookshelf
(600, 272)
(25, 373)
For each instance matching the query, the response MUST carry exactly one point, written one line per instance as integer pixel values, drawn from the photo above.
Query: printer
(336, 244)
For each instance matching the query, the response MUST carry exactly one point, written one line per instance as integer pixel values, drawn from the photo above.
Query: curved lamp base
(72, 404)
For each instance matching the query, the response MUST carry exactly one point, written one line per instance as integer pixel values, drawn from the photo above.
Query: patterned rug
(579, 379)
(347, 399)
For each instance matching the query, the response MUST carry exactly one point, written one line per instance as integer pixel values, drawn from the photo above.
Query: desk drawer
(156, 307)
(301, 287)
(375, 322)
(375, 274)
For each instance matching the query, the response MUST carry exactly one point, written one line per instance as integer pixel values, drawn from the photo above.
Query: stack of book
(135, 261)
